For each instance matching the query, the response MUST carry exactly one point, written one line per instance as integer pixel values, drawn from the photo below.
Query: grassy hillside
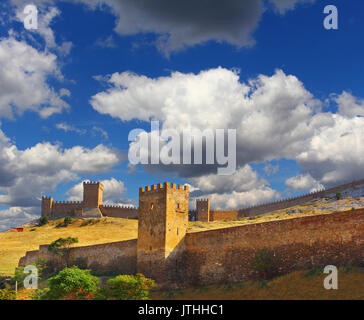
(15, 244)
(307, 285)
(316, 207)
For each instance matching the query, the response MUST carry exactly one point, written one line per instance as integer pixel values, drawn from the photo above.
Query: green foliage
(263, 264)
(90, 222)
(71, 284)
(127, 287)
(40, 294)
(67, 221)
(339, 196)
(61, 247)
(19, 275)
(7, 294)
(43, 220)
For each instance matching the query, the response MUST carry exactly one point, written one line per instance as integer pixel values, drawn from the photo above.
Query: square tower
(92, 194)
(162, 226)
(47, 204)
(203, 210)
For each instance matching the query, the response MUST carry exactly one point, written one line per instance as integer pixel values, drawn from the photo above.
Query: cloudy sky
(72, 90)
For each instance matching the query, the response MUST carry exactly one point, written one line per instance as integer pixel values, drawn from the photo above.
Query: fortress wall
(283, 204)
(63, 209)
(223, 215)
(29, 258)
(315, 241)
(119, 212)
(120, 256)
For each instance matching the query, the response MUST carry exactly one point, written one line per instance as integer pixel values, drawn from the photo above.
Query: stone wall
(287, 203)
(224, 255)
(120, 256)
(119, 212)
(219, 215)
(65, 208)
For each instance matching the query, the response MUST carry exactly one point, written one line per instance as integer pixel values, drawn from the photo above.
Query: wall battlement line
(163, 186)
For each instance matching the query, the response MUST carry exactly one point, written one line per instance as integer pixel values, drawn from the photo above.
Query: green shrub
(7, 294)
(67, 221)
(263, 264)
(71, 284)
(90, 222)
(43, 220)
(127, 287)
(339, 196)
(19, 275)
(39, 294)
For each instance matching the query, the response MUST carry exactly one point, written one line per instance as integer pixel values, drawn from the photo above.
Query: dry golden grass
(309, 209)
(197, 226)
(14, 245)
(293, 286)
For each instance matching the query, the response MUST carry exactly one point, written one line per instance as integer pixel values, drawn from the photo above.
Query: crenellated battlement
(92, 183)
(119, 207)
(68, 202)
(163, 186)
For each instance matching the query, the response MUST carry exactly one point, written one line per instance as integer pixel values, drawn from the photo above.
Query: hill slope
(15, 244)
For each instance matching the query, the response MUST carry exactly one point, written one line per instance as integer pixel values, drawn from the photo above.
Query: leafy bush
(127, 287)
(263, 264)
(71, 284)
(90, 222)
(39, 294)
(339, 196)
(62, 247)
(7, 294)
(67, 221)
(19, 276)
(43, 220)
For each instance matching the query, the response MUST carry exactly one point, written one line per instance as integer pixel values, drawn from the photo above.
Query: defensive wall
(291, 202)
(224, 255)
(90, 207)
(120, 256)
(203, 212)
(165, 252)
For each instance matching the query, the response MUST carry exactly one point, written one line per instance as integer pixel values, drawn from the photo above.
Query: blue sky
(308, 75)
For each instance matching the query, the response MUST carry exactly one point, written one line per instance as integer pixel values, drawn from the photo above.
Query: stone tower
(47, 203)
(203, 210)
(92, 194)
(92, 200)
(162, 226)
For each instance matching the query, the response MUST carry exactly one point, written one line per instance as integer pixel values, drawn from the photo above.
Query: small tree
(43, 220)
(71, 284)
(127, 287)
(62, 247)
(263, 264)
(339, 196)
(67, 221)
